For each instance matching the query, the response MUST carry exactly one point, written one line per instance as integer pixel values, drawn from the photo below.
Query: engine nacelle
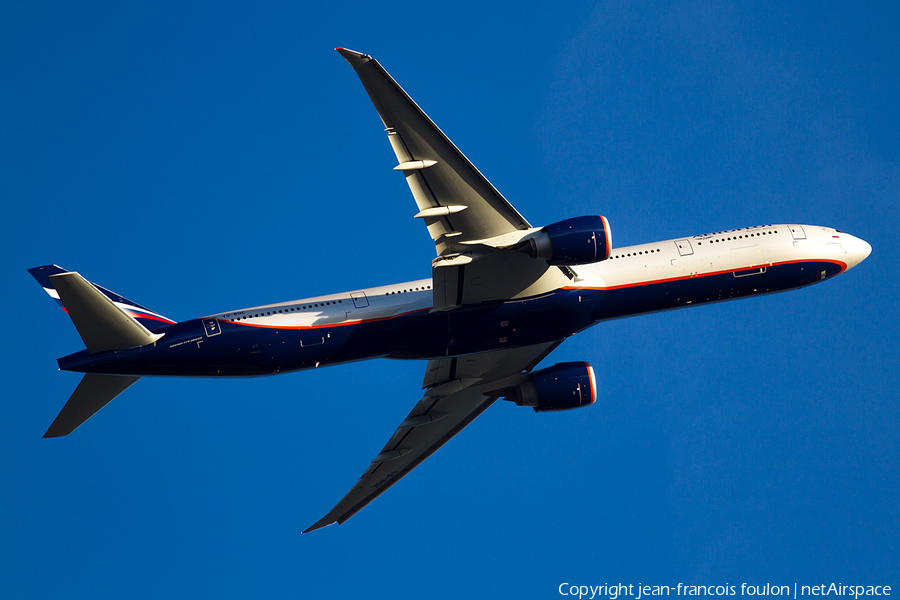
(561, 387)
(576, 241)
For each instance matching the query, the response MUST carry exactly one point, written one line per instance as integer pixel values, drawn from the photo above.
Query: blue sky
(198, 158)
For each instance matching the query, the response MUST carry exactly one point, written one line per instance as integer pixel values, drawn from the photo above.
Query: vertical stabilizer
(146, 317)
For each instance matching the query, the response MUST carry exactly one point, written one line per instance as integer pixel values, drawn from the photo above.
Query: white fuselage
(748, 250)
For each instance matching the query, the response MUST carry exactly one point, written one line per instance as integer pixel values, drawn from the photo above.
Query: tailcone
(79, 362)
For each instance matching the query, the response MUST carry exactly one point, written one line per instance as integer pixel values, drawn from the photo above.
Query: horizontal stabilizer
(102, 325)
(93, 393)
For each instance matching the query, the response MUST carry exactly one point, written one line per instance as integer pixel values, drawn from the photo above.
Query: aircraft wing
(459, 389)
(473, 226)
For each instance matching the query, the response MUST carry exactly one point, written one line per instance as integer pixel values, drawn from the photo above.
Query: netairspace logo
(639, 591)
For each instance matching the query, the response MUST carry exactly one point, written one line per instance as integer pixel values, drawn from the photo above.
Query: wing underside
(460, 389)
(475, 232)
(439, 175)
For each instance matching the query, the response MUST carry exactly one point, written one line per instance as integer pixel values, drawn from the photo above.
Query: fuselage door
(359, 299)
(684, 247)
(212, 327)
(797, 232)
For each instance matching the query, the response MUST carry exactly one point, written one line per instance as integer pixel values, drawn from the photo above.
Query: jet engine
(561, 387)
(576, 241)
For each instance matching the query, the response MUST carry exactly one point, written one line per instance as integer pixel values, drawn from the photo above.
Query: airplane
(503, 295)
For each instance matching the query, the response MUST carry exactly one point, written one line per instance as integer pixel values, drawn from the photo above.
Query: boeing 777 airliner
(503, 295)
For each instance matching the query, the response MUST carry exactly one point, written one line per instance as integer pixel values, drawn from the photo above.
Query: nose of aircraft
(857, 250)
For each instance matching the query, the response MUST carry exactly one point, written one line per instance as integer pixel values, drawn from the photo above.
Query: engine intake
(563, 386)
(576, 241)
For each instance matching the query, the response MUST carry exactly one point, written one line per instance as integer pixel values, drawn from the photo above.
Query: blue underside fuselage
(221, 348)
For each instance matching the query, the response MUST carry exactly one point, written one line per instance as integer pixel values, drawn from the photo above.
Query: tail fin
(106, 321)
(93, 393)
(144, 316)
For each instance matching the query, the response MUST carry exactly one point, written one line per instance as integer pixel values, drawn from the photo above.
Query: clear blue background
(205, 157)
